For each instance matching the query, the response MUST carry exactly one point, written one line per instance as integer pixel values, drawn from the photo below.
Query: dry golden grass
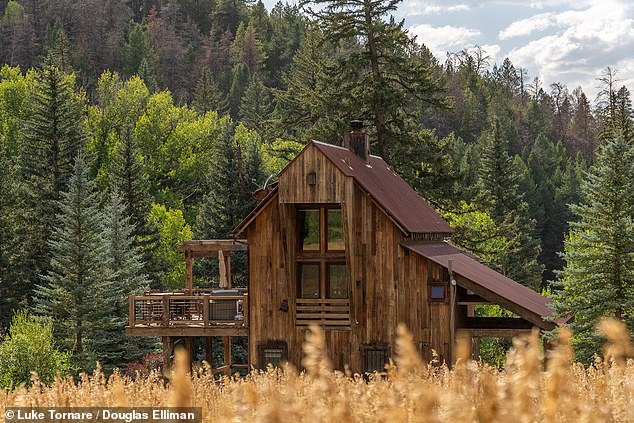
(412, 391)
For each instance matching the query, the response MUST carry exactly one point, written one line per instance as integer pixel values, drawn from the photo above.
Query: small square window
(274, 353)
(375, 357)
(437, 292)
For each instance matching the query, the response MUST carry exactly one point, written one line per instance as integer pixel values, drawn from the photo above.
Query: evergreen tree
(219, 212)
(207, 96)
(598, 278)
(75, 291)
(52, 135)
(126, 268)
(385, 74)
(498, 193)
(128, 176)
(255, 108)
(239, 84)
(58, 49)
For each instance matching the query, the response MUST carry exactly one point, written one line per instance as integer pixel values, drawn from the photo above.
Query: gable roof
(389, 190)
(490, 284)
(408, 209)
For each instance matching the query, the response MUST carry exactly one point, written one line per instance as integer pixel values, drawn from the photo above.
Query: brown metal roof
(388, 189)
(467, 266)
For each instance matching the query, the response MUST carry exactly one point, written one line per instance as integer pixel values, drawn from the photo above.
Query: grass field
(411, 391)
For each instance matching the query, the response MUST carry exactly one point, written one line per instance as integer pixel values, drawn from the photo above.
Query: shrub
(29, 347)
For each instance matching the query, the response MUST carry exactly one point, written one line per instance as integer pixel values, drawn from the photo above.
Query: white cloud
(527, 26)
(446, 38)
(419, 8)
(585, 42)
(492, 50)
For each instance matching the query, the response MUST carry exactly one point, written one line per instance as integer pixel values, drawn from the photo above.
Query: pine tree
(220, 213)
(74, 292)
(52, 135)
(58, 49)
(207, 96)
(498, 193)
(128, 176)
(598, 278)
(255, 107)
(126, 268)
(384, 71)
(239, 84)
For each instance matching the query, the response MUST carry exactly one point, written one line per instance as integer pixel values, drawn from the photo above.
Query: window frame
(374, 347)
(277, 345)
(323, 257)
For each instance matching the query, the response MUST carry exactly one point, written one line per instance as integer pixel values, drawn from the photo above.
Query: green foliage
(477, 232)
(499, 194)
(74, 292)
(52, 134)
(29, 347)
(126, 269)
(598, 278)
(255, 107)
(172, 231)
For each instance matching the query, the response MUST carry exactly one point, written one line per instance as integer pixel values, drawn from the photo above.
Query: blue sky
(565, 41)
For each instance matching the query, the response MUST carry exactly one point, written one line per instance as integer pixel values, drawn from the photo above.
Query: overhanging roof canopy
(486, 282)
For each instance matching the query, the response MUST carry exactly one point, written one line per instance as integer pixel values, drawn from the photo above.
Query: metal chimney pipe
(358, 141)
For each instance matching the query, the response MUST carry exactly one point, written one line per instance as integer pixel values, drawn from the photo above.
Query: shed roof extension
(389, 190)
(490, 284)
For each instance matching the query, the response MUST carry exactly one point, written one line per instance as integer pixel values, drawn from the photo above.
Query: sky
(566, 41)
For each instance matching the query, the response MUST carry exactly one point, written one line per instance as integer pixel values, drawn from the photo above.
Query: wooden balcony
(328, 313)
(199, 312)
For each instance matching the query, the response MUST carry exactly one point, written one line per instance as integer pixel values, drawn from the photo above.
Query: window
(437, 292)
(321, 260)
(375, 357)
(274, 353)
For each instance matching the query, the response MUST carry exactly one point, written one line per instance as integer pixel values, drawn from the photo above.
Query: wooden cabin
(342, 242)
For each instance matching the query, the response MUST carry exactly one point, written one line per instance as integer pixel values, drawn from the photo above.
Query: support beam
(189, 341)
(226, 341)
(189, 271)
(168, 345)
(222, 266)
(496, 333)
(497, 323)
(209, 351)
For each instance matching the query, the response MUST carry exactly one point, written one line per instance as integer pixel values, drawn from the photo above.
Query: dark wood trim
(496, 323)
(187, 331)
(494, 333)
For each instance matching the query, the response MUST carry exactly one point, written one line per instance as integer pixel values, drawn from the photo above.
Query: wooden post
(222, 266)
(165, 302)
(209, 356)
(228, 269)
(226, 340)
(168, 344)
(189, 273)
(189, 348)
(206, 310)
(131, 311)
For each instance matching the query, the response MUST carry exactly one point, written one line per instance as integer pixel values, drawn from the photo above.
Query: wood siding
(388, 285)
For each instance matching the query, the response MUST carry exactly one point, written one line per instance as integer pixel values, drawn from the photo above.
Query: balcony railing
(200, 308)
(322, 312)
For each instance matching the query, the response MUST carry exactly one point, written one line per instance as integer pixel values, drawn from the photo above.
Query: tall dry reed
(529, 389)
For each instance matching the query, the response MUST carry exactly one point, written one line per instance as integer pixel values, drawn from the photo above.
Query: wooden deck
(197, 312)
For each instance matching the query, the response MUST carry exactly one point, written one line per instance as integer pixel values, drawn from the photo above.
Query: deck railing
(322, 312)
(203, 308)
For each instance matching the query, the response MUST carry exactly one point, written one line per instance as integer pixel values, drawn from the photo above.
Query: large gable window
(322, 279)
